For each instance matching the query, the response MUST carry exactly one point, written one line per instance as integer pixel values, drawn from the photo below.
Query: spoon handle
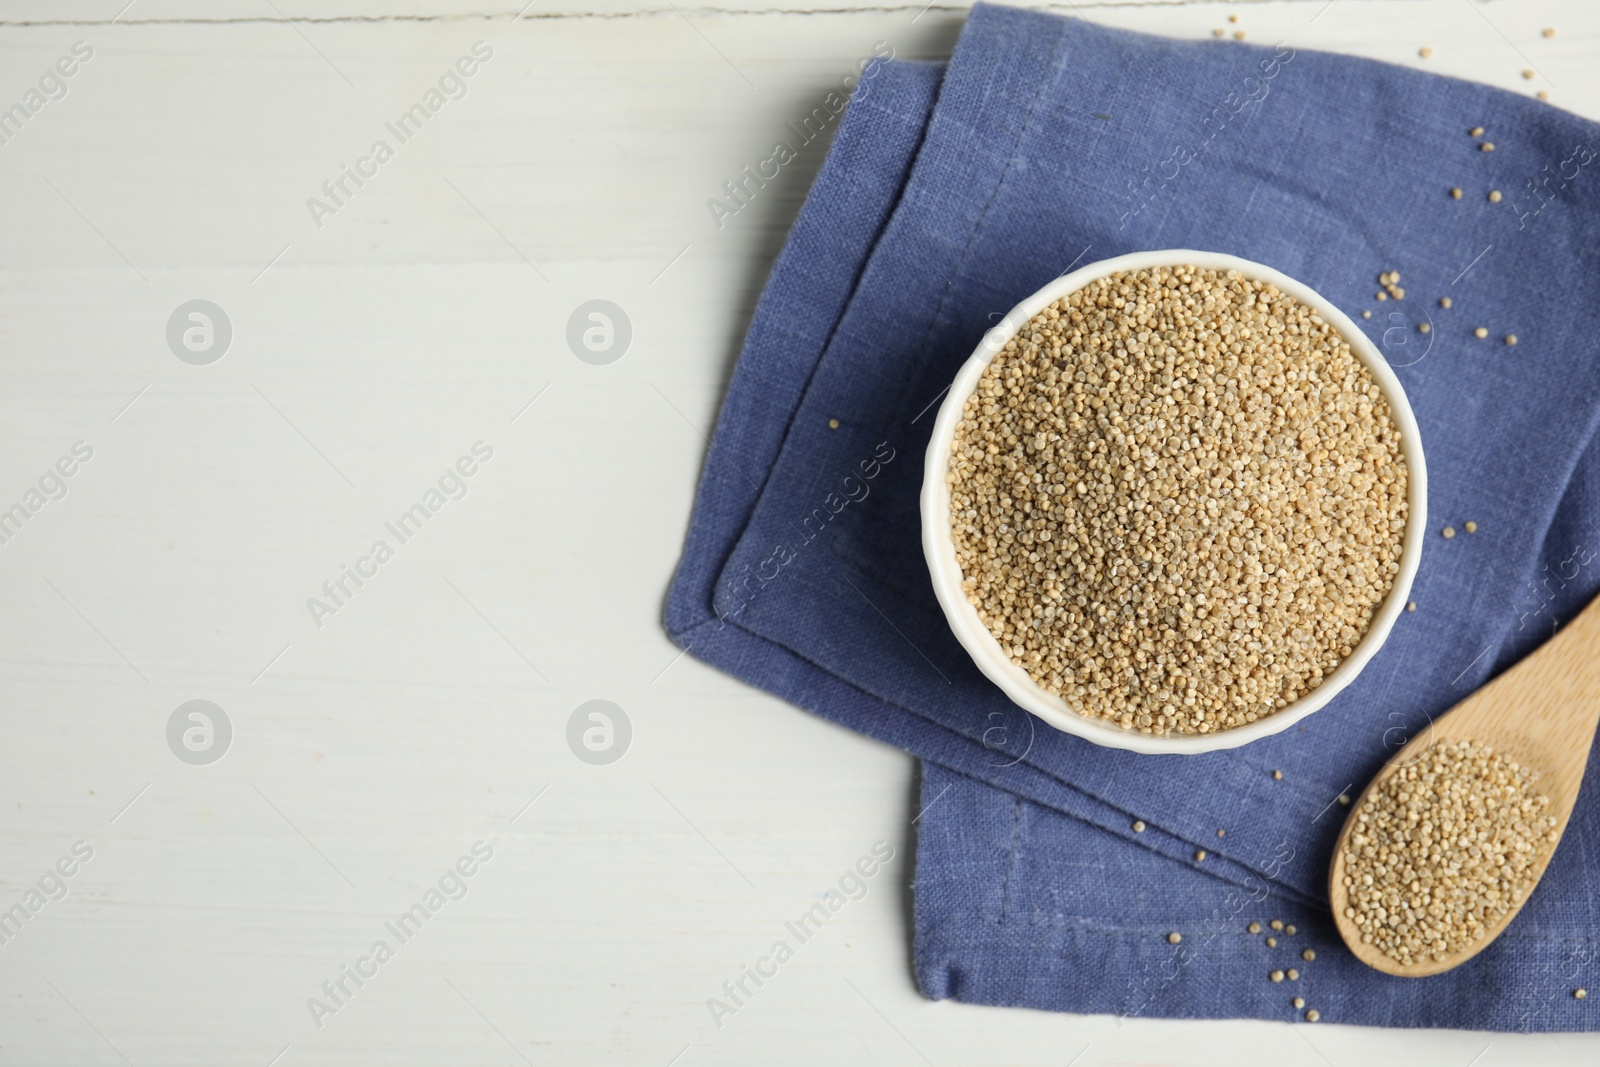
(1544, 710)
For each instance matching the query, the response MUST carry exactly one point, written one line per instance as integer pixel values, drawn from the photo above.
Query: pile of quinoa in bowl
(1177, 499)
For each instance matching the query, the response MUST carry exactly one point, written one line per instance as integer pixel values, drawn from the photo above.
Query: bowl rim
(938, 542)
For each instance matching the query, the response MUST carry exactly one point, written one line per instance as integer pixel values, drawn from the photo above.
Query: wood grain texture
(368, 355)
(1542, 714)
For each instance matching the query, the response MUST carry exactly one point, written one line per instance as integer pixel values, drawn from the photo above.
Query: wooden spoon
(1542, 714)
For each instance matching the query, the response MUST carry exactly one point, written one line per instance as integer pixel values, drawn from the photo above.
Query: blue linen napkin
(951, 193)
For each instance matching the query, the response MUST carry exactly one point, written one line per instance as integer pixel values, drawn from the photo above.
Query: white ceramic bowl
(939, 546)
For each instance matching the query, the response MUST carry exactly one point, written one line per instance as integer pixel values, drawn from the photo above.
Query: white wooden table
(427, 708)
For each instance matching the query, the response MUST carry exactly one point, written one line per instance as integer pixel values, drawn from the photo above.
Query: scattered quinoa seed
(1366, 314)
(1290, 930)
(1277, 776)
(1308, 955)
(1455, 194)
(1424, 51)
(1138, 826)
(1344, 798)
(1476, 131)
(1238, 35)
(1424, 328)
(833, 424)
(1219, 33)
(1174, 937)
(1580, 994)
(1448, 532)
(1254, 928)
(1511, 338)
(1442, 850)
(1382, 296)
(1294, 975)
(1480, 333)
(1528, 75)
(1444, 301)
(1542, 94)
(1094, 537)
(1222, 833)
(1470, 526)
(1313, 1015)
(1494, 196)
(1298, 1002)
(1276, 976)
(1486, 146)
(1272, 942)
(1548, 31)
(1200, 856)
(1233, 18)
(1411, 606)
(1277, 924)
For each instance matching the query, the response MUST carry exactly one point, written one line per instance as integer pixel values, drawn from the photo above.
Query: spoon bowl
(1541, 713)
